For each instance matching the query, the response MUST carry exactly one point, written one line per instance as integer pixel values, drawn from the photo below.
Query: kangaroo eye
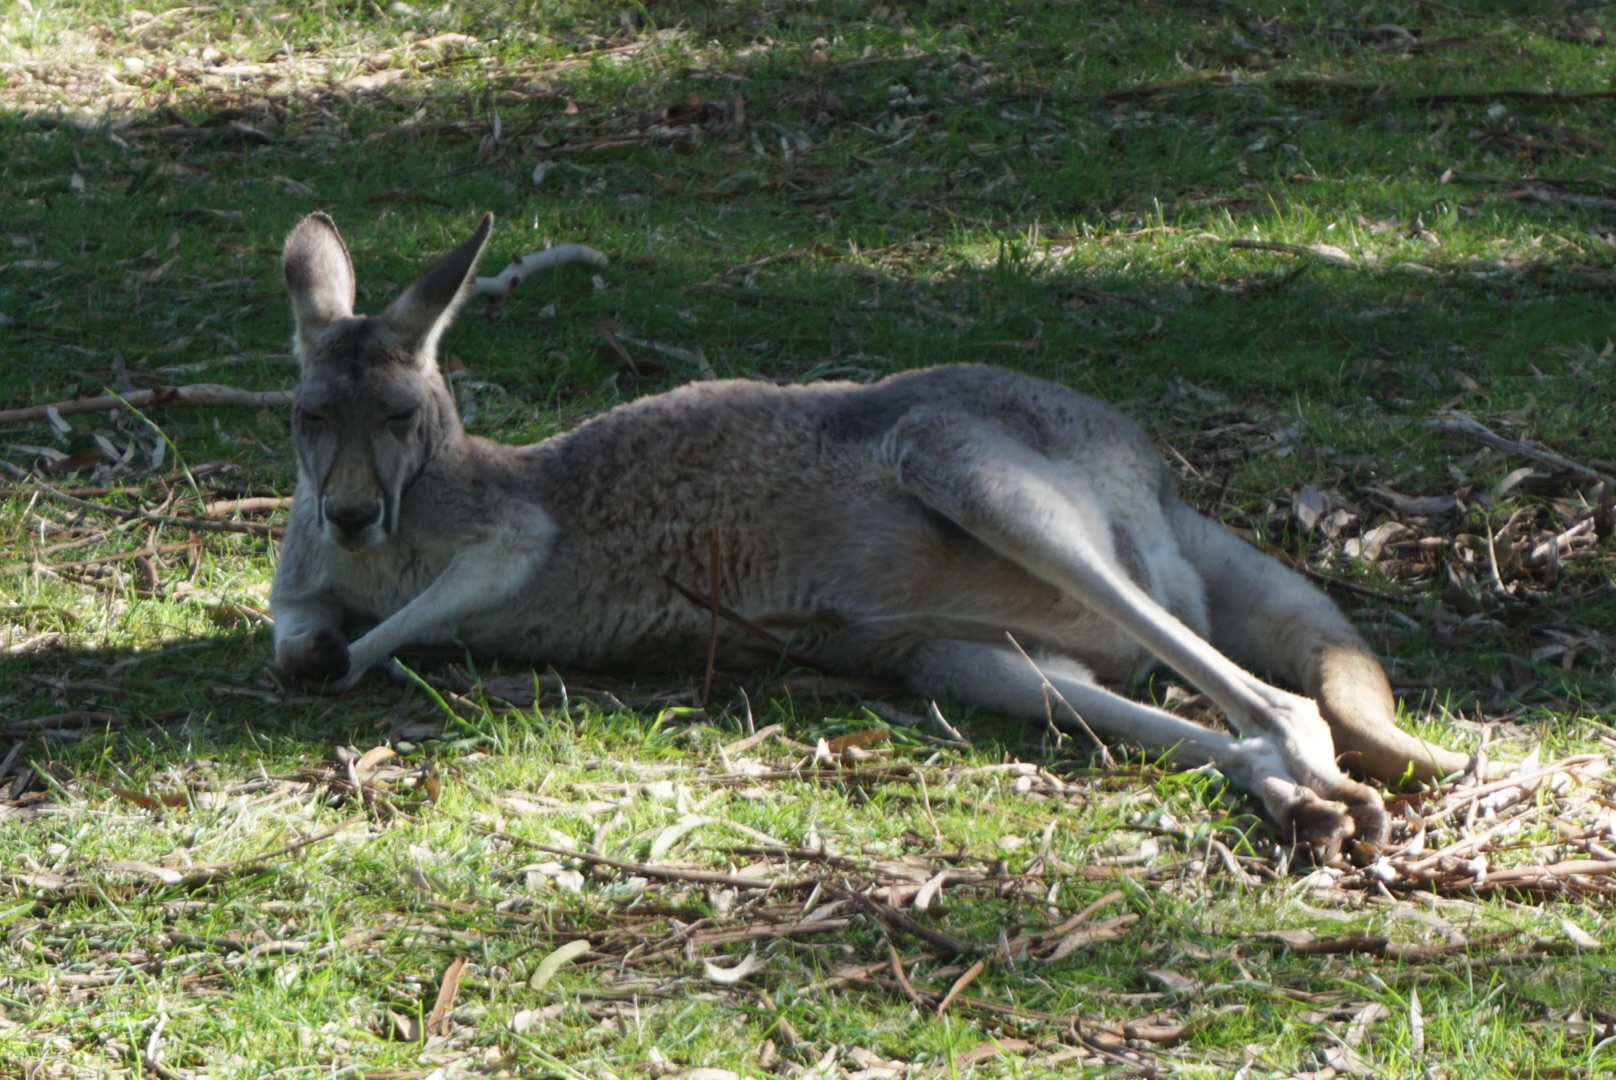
(310, 419)
(402, 417)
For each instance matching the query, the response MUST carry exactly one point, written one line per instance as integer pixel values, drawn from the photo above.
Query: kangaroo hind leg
(1270, 619)
(1003, 679)
(1049, 519)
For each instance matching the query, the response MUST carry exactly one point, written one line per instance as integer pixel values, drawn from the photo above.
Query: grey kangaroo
(927, 528)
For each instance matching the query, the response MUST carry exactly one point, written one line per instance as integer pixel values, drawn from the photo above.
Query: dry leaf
(1330, 254)
(437, 1022)
(667, 838)
(292, 187)
(555, 962)
(928, 892)
(1173, 981)
(731, 975)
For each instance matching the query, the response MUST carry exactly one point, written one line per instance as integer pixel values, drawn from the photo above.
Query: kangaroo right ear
(319, 275)
(423, 310)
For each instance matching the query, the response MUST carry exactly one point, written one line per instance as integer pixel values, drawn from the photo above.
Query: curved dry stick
(163, 396)
(505, 282)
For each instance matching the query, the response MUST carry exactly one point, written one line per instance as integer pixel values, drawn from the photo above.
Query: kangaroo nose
(352, 519)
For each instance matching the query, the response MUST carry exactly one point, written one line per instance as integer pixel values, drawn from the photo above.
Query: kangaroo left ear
(319, 276)
(424, 310)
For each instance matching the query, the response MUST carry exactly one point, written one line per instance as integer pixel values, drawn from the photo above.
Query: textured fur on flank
(907, 529)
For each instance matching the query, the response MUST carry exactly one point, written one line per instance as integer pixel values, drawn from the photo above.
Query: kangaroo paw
(1354, 823)
(316, 656)
(1319, 828)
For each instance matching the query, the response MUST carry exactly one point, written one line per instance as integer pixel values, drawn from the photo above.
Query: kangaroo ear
(319, 275)
(425, 309)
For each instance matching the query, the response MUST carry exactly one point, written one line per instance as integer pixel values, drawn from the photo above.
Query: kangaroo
(980, 535)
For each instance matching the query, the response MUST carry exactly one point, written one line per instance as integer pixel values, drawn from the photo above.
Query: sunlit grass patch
(1283, 239)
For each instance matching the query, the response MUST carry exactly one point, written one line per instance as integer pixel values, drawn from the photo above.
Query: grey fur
(901, 530)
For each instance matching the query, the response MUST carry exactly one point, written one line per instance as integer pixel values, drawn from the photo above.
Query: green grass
(911, 184)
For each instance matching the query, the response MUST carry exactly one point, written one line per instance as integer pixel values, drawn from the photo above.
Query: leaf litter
(1490, 550)
(1477, 560)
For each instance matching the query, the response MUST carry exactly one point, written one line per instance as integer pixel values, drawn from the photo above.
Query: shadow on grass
(1033, 186)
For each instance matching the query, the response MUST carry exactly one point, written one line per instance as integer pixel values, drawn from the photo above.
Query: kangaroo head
(371, 407)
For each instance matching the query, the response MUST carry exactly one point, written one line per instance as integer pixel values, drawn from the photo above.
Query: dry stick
(757, 738)
(1462, 797)
(1457, 423)
(1557, 546)
(285, 849)
(196, 394)
(1339, 582)
(896, 919)
(960, 984)
(743, 622)
(505, 282)
(221, 507)
(161, 519)
(903, 980)
(714, 581)
(1343, 86)
(1105, 754)
(1464, 846)
(437, 1022)
(639, 368)
(666, 873)
(58, 721)
(1076, 1024)
(1024, 941)
(1530, 875)
(141, 553)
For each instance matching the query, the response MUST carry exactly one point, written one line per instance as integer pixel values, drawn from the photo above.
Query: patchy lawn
(1350, 264)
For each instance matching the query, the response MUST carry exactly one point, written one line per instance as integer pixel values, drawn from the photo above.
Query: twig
(1457, 423)
(1531, 875)
(966, 979)
(1344, 86)
(221, 507)
(1463, 797)
(1316, 251)
(505, 282)
(162, 397)
(715, 578)
(1105, 753)
(1133, 93)
(897, 920)
(666, 873)
(1557, 546)
(622, 357)
(149, 1059)
(284, 849)
(248, 527)
(437, 1022)
(705, 603)
(60, 721)
(1467, 844)
(903, 980)
(696, 359)
(757, 738)
(139, 553)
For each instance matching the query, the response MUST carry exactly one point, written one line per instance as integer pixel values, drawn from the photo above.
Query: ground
(1350, 264)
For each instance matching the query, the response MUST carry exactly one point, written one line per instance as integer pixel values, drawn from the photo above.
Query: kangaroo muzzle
(355, 522)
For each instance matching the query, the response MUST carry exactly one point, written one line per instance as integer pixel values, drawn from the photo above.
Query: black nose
(353, 518)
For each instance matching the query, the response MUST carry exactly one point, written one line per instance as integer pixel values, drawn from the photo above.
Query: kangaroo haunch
(909, 529)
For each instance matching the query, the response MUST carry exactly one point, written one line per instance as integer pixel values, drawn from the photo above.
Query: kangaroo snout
(353, 522)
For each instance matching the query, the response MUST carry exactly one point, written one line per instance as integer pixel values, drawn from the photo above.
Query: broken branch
(248, 527)
(1457, 423)
(161, 397)
(505, 282)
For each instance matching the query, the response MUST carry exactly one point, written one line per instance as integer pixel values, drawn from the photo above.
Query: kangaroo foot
(316, 656)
